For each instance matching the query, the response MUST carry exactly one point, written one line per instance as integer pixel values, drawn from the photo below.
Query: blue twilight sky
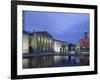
(68, 27)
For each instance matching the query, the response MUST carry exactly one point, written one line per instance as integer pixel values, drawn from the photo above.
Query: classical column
(40, 44)
(46, 45)
(37, 44)
(50, 44)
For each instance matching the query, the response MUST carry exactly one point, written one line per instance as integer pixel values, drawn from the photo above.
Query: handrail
(27, 55)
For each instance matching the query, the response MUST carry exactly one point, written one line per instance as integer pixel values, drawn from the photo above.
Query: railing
(29, 55)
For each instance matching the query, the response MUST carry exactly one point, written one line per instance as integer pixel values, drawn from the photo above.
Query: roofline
(47, 32)
(60, 41)
(31, 33)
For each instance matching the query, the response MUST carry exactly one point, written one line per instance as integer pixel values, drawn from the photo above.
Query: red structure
(84, 46)
(84, 43)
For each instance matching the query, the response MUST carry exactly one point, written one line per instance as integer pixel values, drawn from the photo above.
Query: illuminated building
(42, 41)
(84, 42)
(38, 43)
(60, 46)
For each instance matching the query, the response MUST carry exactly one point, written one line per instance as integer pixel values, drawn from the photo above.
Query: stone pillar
(49, 44)
(46, 45)
(42, 43)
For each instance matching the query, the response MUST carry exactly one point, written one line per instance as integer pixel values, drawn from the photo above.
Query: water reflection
(55, 61)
